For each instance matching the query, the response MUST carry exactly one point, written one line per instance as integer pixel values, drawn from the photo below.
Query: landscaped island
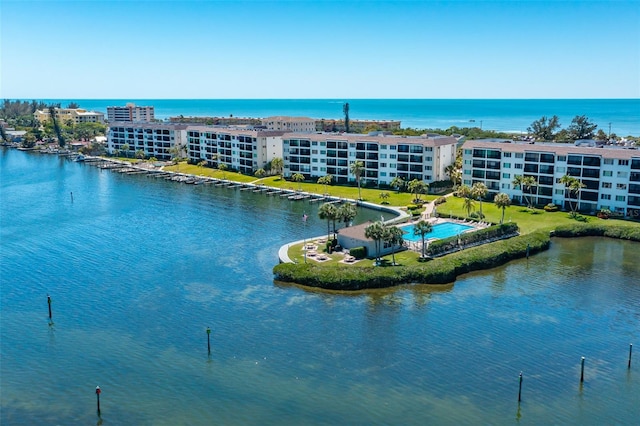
(442, 270)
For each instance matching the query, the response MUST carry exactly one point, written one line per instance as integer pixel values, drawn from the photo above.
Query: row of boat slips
(130, 169)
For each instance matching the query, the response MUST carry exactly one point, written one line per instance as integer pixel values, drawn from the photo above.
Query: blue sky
(319, 49)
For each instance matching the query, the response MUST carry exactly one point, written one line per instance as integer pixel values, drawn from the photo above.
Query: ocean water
(137, 268)
(511, 115)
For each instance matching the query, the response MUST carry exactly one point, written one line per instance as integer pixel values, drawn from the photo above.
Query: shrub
(476, 215)
(358, 252)
(551, 208)
(412, 206)
(440, 200)
(622, 232)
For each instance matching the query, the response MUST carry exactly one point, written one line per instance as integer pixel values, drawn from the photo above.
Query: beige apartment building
(76, 115)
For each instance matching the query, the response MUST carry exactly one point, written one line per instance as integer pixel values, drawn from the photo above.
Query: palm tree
(479, 191)
(422, 228)
(126, 147)
(468, 205)
(223, 168)
(277, 165)
(356, 169)
(376, 232)
(455, 175)
(525, 184)
(329, 212)
(298, 177)
(346, 213)
(574, 186)
(417, 187)
(139, 154)
(393, 236)
(502, 201)
(326, 181)
(384, 196)
(397, 183)
(259, 173)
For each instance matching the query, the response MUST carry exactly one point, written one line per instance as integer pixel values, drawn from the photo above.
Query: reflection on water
(138, 268)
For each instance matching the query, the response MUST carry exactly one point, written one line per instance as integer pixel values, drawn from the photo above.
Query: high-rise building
(130, 113)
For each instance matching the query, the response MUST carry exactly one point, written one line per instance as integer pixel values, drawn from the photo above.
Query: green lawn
(192, 169)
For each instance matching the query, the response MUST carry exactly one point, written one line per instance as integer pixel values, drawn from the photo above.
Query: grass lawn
(371, 195)
(193, 169)
(403, 258)
(529, 220)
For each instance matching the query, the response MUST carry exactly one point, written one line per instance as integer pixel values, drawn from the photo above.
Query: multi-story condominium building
(217, 121)
(75, 115)
(383, 157)
(130, 113)
(357, 126)
(611, 176)
(245, 150)
(290, 124)
(154, 139)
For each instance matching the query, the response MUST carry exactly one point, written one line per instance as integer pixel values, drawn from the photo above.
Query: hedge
(622, 232)
(438, 271)
(445, 245)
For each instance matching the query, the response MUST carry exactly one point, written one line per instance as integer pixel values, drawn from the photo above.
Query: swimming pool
(440, 231)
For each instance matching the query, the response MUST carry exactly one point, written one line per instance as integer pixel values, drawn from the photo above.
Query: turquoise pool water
(440, 231)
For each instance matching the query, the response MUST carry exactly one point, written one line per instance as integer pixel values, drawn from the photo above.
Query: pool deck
(417, 245)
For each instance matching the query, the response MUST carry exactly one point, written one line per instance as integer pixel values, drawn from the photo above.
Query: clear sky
(150, 49)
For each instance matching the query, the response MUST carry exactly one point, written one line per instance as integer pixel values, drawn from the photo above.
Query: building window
(608, 161)
(518, 166)
(506, 154)
(605, 196)
(467, 172)
(606, 184)
(383, 156)
(467, 152)
(622, 174)
(620, 197)
(607, 173)
(314, 151)
(506, 176)
(507, 165)
(383, 146)
(383, 173)
(559, 191)
(506, 186)
(561, 169)
(392, 156)
(467, 182)
(623, 162)
(562, 158)
(519, 155)
(383, 164)
(428, 168)
(622, 186)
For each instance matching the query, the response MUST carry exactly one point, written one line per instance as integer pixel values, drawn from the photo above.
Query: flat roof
(557, 148)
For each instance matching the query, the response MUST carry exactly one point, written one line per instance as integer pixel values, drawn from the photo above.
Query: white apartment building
(130, 113)
(290, 124)
(384, 157)
(154, 139)
(245, 150)
(611, 175)
(76, 115)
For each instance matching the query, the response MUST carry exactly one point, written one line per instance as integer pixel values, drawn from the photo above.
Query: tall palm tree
(502, 201)
(326, 181)
(479, 191)
(223, 168)
(298, 177)
(356, 168)
(397, 183)
(525, 184)
(329, 212)
(277, 166)
(393, 236)
(574, 186)
(346, 213)
(376, 232)
(422, 228)
(417, 187)
(468, 205)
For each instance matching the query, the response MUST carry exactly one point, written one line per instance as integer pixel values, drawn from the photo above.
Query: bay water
(138, 268)
(620, 116)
